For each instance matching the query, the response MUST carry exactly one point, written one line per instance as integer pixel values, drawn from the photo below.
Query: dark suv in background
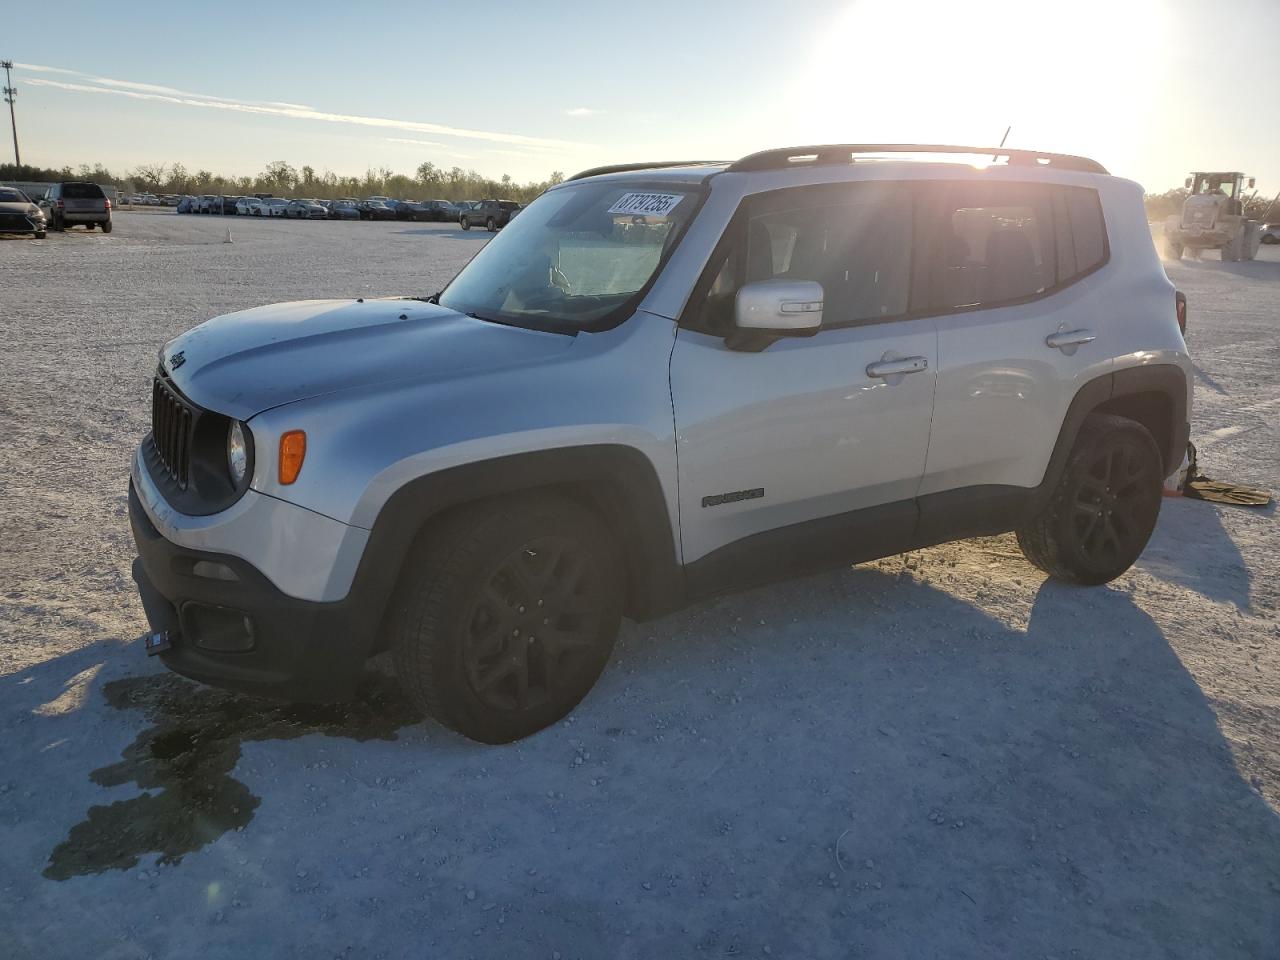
(66, 204)
(494, 214)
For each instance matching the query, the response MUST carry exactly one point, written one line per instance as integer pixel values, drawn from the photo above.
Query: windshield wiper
(434, 298)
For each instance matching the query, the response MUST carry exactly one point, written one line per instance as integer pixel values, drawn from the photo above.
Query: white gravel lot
(936, 755)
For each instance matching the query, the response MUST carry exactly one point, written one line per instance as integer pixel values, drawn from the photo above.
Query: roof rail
(626, 167)
(835, 153)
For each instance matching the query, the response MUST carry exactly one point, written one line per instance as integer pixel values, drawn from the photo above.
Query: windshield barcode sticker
(647, 204)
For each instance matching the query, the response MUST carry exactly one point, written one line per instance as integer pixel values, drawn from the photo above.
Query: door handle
(1070, 338)
(894, 368)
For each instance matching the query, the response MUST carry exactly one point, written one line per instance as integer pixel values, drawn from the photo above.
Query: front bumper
(229, 626)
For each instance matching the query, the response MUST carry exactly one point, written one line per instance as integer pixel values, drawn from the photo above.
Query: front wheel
(505, 616)
(1102, 511)
(466, 224)
(40, 234)
(491, 226)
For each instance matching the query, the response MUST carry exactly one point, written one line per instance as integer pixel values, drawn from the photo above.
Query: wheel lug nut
(539, 602)
(515, 633)
(520, 610)
(546, 620)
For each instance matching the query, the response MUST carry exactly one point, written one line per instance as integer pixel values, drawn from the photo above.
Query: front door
(810, 450)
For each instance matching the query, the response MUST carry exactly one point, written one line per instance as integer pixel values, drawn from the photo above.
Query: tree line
(428, 182)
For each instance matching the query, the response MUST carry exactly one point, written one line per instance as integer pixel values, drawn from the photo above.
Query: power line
(11, 94)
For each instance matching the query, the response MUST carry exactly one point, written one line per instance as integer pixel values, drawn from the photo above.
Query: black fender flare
(617, 481)
(1166, 379)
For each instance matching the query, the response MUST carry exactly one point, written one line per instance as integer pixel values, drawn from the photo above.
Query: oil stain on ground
(183, 764)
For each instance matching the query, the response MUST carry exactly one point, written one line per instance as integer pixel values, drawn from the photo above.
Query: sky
(1151, 88)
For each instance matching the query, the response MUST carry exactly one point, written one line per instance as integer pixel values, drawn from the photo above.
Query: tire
(58, 225)
(1102, 512)
(41, 234)
(466, 224)
(106, 227)
(490, 225)
(471, 597)
(89, 227)
(1175, 250)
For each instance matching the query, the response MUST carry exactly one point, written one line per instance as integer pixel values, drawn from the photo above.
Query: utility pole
(10, 94)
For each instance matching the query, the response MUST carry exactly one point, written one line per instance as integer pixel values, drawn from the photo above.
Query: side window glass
(853, 239)
(1087, 227)
(993, 244)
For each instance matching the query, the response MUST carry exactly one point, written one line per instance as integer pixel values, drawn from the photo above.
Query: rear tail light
(61, 205)
(108, 204)
(1180, 305)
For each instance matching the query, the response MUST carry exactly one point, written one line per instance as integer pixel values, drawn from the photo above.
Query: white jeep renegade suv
(661, 381)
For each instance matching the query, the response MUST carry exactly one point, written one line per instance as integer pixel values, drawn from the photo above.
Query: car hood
(19, 206)
(244, 363)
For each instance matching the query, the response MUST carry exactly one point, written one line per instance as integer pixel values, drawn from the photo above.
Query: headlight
(237, 453)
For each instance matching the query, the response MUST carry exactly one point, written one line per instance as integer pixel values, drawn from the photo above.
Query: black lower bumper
(229, 626)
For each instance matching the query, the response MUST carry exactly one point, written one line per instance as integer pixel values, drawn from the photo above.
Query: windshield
(573, 256)
(9, 195)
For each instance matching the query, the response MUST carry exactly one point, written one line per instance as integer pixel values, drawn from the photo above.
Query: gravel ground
(936, 755)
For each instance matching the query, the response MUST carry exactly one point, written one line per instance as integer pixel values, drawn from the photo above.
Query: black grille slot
(171, 422)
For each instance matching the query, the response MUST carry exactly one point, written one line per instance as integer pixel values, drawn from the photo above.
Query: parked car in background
(464, 206)
(410, 210)
(274, 206)
(169, 200)
(207, 203)
(66, 204)
(19, 215)
(1271, 233)
(227, 205)
(491, 214)
(344, 210)
(249, 207)
(306, 210)
(376, 210)
(187, 204)
(441, 210)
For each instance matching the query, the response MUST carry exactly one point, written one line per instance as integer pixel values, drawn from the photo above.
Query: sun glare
(1072, 78)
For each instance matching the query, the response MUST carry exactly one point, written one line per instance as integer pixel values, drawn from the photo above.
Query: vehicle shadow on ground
(449, 233)
(855, 762)
(1199, 553)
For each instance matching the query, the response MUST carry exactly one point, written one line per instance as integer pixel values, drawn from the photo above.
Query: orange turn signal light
(293, 450)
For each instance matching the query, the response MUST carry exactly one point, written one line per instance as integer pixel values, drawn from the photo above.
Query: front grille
(171, 422)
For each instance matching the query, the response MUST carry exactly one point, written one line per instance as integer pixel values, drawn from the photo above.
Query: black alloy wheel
(531, 623)
(1104, 508)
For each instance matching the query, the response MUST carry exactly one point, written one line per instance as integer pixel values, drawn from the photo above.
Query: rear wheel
(1174, 248)
(1104, 508)
(466, 224)
(490, 225)
(106, 227)
(505, 616)
(40, 234)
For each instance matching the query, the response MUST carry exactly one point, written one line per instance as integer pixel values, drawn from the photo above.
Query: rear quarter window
(1088, 231)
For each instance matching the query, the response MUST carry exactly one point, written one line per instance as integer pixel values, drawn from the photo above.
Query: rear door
(784, 453)
(1010, 276)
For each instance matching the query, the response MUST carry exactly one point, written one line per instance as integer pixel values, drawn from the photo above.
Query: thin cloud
(582, 112)
(416, 143)
(154, 88)
(155, 94)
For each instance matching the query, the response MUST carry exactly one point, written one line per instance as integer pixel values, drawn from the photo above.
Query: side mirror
(1187, 183)
(766, 310)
